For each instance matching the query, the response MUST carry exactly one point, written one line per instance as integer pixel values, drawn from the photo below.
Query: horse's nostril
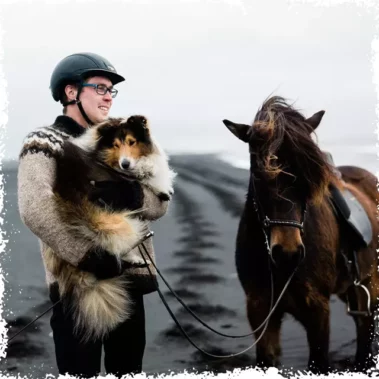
(276, 252)
(281, 256)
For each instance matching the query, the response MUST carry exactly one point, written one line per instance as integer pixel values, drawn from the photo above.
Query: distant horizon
(189, 65)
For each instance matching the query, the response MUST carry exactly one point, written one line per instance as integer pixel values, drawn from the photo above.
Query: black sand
(194, 244)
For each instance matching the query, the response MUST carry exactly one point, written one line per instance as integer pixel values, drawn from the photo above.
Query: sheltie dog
(117, 152)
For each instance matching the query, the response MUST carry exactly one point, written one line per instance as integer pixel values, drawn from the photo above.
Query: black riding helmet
(75, 69)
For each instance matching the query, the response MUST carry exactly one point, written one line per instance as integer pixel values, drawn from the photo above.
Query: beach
(194, 244)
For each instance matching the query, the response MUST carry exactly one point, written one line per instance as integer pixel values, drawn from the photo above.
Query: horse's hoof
(319, 369)
(365, 366)
(271, 361)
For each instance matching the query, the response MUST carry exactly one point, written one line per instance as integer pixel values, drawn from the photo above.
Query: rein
(266, 224)
(264, 324)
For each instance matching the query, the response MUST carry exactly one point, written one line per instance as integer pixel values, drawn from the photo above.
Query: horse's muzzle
(287, 258)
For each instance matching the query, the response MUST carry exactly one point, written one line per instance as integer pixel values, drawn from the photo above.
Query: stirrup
(360, 313)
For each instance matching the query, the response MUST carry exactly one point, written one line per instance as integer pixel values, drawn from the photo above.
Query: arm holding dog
(36, 200)
(40, 212)
(154, 206)
(131, 194)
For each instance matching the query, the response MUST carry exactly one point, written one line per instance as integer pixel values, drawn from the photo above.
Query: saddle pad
(358, 218)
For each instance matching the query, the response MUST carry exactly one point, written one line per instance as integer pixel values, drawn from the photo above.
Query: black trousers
(123, 347)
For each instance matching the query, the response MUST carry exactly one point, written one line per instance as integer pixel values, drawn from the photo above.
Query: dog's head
(121, 142)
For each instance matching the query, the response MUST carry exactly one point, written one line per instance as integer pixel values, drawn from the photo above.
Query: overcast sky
(190, 64)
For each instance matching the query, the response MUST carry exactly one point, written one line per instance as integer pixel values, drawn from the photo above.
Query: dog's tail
(97, 306)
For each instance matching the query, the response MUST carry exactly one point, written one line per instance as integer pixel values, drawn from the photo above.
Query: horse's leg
(268, 348)
(315, 319)
(364, 359)
(365, 326)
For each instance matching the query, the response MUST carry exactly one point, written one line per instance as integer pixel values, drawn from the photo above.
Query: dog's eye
(131, 143)
(116, 145)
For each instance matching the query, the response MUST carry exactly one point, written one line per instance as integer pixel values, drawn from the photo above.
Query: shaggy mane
(281, 143)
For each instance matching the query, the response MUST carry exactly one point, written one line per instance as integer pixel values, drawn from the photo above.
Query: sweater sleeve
(36, 200)
(153, 206)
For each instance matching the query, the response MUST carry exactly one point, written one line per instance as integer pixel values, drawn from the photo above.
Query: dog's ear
(106, 126)
(138, 120)
(104, 130)
(239, 130)
(145, 125)
(144, 122)
(139, 124)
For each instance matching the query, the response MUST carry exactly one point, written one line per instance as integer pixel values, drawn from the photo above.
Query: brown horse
(288, 222)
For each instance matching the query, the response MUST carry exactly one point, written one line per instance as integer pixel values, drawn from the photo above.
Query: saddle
(349, 210)
(354, 219)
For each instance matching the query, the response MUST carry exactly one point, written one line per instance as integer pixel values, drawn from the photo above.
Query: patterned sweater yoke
(38, 207)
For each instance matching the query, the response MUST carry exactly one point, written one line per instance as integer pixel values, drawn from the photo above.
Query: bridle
(267, 223)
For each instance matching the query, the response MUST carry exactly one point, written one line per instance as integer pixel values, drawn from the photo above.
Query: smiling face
(96, 106)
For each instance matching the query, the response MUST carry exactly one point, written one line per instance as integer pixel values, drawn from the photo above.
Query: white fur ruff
(154, 171)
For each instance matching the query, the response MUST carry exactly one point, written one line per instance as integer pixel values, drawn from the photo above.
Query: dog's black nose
(125, 164)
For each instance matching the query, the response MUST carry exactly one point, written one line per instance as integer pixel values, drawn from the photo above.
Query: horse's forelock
(281, 140)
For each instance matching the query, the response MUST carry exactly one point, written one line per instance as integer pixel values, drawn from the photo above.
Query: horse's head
(288, 172)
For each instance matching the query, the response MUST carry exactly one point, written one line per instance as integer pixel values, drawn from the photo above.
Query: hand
(164, 196)
(140, 264)
(102, 264)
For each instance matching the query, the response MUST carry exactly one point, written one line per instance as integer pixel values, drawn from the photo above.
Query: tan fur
(98, 306)
(113, 231)
(288, 237)
(129, 147)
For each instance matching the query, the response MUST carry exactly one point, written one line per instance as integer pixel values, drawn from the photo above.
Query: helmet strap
(69, 103)
(80, 106)
(79, 103)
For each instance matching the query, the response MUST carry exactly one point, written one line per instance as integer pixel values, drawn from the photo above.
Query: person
(84, 84)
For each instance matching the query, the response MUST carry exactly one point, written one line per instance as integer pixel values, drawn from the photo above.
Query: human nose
(108, 96)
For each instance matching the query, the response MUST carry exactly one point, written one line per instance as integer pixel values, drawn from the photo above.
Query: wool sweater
(38, 208)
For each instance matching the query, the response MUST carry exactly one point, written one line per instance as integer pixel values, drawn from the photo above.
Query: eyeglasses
(102, 89)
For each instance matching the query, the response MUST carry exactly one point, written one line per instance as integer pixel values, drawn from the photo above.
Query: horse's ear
(239, 130)
(315, 120)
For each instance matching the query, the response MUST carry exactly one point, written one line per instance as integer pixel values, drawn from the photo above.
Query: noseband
(267, 223)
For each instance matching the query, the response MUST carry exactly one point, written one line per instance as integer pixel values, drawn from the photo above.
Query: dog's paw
(135, 262)
(141, 263)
